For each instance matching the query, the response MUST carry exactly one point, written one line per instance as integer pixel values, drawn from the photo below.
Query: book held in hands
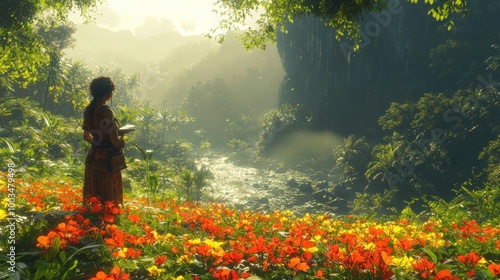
(127, 128)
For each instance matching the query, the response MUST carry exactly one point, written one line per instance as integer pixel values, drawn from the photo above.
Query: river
(256, 189)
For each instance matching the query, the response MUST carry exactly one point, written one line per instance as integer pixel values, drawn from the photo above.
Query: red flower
(133, 253)
(424, 266)
(225, 274)
(160, 260)
(471, 273)
(472, 258)
(233, 257)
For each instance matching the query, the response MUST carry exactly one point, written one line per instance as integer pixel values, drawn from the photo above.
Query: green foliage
(152, 182)
(192, 183)
(75, 87)
(351, 161)
(126, 114)
(40, 143)
(241, 151)
(374, 204)
(279, 121)
(470, 203)
(494, 60)
(126, 85)
(491, 154)
(212, 106)
(57, 264)
(22, 50)
(424, 153)
(384, 162)
(271, 17)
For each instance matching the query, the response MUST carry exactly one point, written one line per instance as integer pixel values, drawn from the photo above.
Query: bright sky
(150, 17)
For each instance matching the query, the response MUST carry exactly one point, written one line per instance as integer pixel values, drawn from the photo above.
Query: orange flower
(134, 218)
(387, 259)
(405, 244)
(297, 265)
(495, 269)
(117, 237)
(174, 250)
(45, 242)
(445, 275)
(133, 253)
(334, 253)
(115, 274)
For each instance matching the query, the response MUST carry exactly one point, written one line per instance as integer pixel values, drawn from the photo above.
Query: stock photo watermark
(11, 218)
(487, 88)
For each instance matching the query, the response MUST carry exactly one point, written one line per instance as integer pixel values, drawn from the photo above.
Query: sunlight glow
(150, 17)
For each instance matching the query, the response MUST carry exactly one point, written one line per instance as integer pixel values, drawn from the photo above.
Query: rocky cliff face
(403, 54)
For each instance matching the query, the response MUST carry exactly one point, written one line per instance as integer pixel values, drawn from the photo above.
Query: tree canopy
(22, 23)
(270, 16)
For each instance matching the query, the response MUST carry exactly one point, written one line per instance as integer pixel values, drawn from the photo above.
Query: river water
(256, 189)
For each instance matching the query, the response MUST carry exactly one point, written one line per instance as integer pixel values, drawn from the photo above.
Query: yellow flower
(123, 253)
(195, 241)
(5, 202)
(3, 214)
(313, 250)
(156, 235)
(214, 244)
(178, 278)
(370, 246)
(316, 238)
(405, 262)
(154, 271)
(217, 252)
(134, 207)
(183, 258)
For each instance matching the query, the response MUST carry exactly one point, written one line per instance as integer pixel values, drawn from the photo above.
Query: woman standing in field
(105, 158)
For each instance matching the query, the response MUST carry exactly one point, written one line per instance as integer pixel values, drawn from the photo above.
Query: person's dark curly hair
(102, 87)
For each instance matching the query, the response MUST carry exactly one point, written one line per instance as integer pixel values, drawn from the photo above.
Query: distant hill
(170, 64)
(98, 46)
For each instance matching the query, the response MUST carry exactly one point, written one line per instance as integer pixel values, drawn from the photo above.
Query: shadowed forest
(349, 141)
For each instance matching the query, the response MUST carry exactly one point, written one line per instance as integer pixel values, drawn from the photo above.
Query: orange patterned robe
(99, 182)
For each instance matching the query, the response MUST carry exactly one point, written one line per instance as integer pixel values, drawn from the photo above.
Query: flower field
(57, 238)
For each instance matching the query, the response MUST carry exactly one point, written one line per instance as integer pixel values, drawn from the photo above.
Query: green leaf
(62, 256)
(431, 255)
